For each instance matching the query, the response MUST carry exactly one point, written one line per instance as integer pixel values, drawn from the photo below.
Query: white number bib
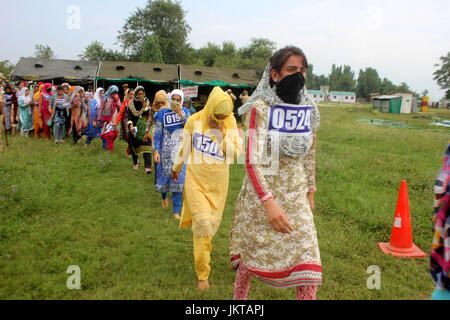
(289, 119)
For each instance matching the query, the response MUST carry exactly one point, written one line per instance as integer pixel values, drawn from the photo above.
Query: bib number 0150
(205, 145)
(290, 119)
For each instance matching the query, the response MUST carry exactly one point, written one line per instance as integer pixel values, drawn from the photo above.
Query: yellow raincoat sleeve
(231, 145)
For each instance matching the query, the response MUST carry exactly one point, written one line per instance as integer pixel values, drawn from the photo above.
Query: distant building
(407, 101)
(387, 103)
(317, 95)
(445, 103)
(342, 96)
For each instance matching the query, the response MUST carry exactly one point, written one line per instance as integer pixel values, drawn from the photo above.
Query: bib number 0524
(290, 119)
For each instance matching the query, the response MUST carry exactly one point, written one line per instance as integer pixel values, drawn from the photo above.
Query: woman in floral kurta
(169, 123)
(280, 171)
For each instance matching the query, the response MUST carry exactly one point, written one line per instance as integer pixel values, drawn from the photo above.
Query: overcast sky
(402, 40)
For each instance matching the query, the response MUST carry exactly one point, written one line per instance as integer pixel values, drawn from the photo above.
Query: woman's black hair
(280, 57)
(59, 88)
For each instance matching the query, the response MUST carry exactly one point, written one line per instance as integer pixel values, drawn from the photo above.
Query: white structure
(342, 96)
(407, 102)
(316, 95)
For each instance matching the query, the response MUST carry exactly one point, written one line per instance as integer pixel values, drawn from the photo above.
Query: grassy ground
(63, 205)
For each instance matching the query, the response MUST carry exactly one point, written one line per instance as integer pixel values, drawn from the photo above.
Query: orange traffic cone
(401, 244)
(240, 131)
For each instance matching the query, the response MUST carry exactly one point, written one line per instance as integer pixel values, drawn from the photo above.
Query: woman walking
(25, 113)
(7, 102)
(59, 111)
(44, 109)
(78, 119)
(93, 128)
(109, 106)
(169, 123)
(273, 235)
(210, 143)
(138, 141)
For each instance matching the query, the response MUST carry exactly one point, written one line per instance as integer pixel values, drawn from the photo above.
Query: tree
(313, 81)
(334, 76)
(44, 51)
(322, 80)
(259, 48)
(368, 82)
(442, 75)
(208, 54)
(387, 87)
(6, 68)
(403, 87)
(95, 52)
(342, 78)
(151, 52)
(164, 19)
(311, 78)
(256, 55)
(347, 81)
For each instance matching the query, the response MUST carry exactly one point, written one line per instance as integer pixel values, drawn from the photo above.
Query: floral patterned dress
(278, 259)
(167, 141)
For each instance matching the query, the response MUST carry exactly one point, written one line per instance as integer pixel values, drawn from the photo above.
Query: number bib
(205, 145)
(171, 119)
(289, 119)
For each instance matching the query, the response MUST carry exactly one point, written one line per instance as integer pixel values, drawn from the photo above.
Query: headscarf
(161, 95)
(110, 91)
(97, 97)
(38, 93)
(142, 108)
(26, 98)
(174, 92)
(46, 86)
(294, 146)
(219, 102)
(74, 94)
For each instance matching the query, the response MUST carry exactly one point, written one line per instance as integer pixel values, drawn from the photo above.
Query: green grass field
(63, 205)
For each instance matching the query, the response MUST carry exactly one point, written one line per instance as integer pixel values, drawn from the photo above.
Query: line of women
(273, 235)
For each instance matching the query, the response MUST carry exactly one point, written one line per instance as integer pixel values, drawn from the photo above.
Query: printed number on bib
(290, 119)
(205, 145)
(171, 119)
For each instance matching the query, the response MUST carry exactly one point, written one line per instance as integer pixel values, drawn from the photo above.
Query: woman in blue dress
(94, 128)
(169, 123)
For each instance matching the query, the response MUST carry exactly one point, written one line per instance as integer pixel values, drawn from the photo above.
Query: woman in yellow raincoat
(210, 143)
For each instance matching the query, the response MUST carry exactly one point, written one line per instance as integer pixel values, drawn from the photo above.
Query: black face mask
(289, 87)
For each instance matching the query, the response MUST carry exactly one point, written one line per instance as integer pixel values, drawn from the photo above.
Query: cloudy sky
(401, 39)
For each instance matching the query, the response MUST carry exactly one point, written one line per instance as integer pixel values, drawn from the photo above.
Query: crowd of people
(273, 236)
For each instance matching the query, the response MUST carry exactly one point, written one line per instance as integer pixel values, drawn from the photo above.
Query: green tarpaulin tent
(212, 76)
